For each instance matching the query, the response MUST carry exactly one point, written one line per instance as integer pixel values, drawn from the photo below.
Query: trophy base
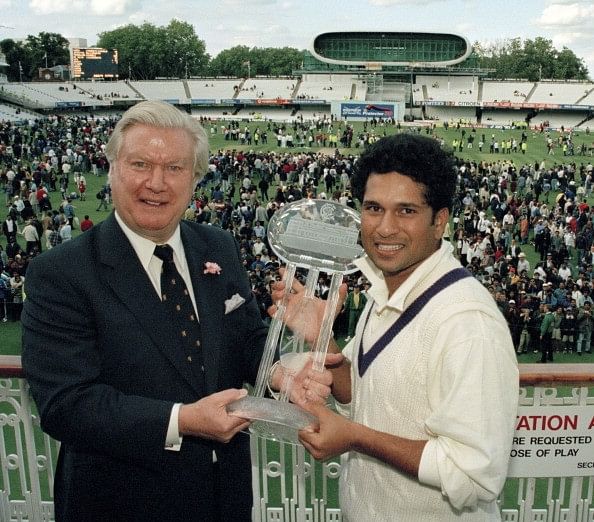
(272, 419)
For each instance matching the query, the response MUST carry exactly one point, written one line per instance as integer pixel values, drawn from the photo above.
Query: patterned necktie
(180, 310)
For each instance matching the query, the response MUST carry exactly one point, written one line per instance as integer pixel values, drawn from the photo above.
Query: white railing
(27, 455)
(288, 485)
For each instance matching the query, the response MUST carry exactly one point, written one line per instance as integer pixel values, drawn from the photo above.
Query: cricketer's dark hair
(420, 158)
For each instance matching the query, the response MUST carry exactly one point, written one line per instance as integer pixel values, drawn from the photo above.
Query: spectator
(86, 224)
(16, 291)
(5, 295)
(585, 324)
(31, 237)
(65, 232)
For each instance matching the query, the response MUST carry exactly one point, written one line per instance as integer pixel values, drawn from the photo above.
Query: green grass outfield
(536, 150)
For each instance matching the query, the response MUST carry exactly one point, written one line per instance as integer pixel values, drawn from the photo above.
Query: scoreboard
(94, 62)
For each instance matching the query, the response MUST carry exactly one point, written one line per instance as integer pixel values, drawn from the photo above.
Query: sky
(277, 23)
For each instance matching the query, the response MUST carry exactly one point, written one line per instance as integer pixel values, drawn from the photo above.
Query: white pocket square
(235, 301)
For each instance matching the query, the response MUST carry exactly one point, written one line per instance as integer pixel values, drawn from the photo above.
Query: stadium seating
(229, 98)
(392, 92)
(8, 113)
(109, 90)
(589, 99)
(464, 114)
(449, 88)
(162, 90)
(325, 87)
(560, 92)
(506, 91)
(558, 119)
(20, 93)
(314, 113)
(268, 113)
(418, 93)
(50, 95)
(211, 89)
(267, 88)
(501, 117)
(359, 92)
(215, 113)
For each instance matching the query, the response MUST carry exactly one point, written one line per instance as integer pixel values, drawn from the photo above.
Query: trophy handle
(298, 339)
(274, 331)
(321, 347)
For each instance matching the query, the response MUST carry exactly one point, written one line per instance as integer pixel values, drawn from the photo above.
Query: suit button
(189, 358)
(197, 344)
(202, 369)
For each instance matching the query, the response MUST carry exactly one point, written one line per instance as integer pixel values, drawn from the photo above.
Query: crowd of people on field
(506, 212)
(503, 212)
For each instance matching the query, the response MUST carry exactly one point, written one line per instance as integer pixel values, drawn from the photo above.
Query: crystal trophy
(318, 236)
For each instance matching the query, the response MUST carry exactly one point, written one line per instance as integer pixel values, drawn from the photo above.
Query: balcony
(289, 484)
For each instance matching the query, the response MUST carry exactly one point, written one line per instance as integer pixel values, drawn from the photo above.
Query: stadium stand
(16, 114)
(510, 91)
(589, 98)
(246, 113)
(111, 90)
(214, 89)
(559, 92)
(49, 95)
(392, 91)
(326, 87)
(267, 88)
(216, 113)
(501, 117)
(268, 113)
(449, 88)
(171, 91)
(419, 94)
(558, 119)
(8, 113)
(443, 98)
(314, 113)
(466, 115)
(359, 91)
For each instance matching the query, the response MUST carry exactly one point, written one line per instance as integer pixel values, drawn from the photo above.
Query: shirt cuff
(173, 440)
(428, 468)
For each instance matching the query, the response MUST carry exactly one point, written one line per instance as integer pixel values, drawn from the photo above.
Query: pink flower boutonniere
(212, 268)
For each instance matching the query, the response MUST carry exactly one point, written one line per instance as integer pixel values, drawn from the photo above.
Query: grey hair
(165, 115)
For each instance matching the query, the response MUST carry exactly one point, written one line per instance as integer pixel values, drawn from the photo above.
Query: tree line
(533, 60)
(148, 51)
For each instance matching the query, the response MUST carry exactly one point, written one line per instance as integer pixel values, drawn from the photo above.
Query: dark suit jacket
(105, 372)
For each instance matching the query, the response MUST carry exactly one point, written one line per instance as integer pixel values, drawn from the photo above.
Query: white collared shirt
(145, 250)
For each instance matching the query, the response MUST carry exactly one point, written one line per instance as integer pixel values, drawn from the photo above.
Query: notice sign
(553, 442)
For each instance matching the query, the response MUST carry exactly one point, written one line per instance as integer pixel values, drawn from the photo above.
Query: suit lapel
(126, 277)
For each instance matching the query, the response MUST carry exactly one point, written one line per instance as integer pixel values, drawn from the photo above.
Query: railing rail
(290, 485)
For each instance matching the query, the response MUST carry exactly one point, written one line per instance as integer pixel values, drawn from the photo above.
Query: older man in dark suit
(138, 398)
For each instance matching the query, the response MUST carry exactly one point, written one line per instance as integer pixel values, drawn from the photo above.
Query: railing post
(34, 500)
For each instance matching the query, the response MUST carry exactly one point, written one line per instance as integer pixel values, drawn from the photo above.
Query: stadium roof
(375, 50)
